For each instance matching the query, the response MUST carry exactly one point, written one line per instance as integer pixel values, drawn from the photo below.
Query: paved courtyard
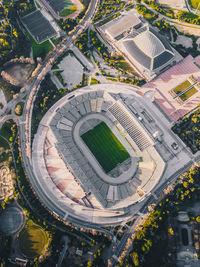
(160, 86)
(73, 71)
(173, 3)
(2, 97)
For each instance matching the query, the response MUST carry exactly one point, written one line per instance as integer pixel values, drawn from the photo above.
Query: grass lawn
(3, 143)
(37, 4)
(188, 94)
(5, 130)
(124, 66)
(39, 50)
(56, 41)
(5, 156)
(194, 3)
(32, 240)
(181, 87)
(94, 81)
(68, 11)
(105, 146)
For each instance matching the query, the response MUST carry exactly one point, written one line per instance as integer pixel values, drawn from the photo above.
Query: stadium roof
(149, 43)
(148, 49)
(122, 24)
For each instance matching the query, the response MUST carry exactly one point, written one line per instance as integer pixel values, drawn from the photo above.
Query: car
(174, 146)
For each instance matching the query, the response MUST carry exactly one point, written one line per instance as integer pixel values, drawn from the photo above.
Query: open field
(105, 147)
(59, 5)
(172, 3)
(32, 240)
(68, 11)
(39, 50)
(3, 143)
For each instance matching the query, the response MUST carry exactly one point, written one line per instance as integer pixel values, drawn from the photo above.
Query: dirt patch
(17, 73)
(188, 30)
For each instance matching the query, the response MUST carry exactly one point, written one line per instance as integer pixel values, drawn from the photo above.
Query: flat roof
(122, 24)
(38, 26)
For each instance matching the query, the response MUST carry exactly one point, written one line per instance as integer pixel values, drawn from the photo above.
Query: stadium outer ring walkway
(124, 177)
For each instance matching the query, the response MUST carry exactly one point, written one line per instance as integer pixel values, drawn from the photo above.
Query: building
(146, 50)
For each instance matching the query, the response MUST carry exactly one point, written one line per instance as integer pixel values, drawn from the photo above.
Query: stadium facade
(69, 179)
(145, 49)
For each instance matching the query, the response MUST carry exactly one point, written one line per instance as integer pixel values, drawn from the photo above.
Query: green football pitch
(105, 146)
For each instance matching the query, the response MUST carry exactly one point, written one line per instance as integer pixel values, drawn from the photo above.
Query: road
(123, 241)
(62, 254)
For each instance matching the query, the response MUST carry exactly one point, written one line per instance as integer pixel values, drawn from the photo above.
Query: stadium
(98, 152)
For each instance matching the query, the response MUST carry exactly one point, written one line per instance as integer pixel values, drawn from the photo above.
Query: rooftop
(148, 49)
(122, 24)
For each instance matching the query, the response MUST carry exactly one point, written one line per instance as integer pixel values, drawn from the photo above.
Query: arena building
(146, 50)
(99, 152)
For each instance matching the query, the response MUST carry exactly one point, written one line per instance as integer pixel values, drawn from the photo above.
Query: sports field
(32, 240)
(105, 146)
(38, 26)
(59, 5)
